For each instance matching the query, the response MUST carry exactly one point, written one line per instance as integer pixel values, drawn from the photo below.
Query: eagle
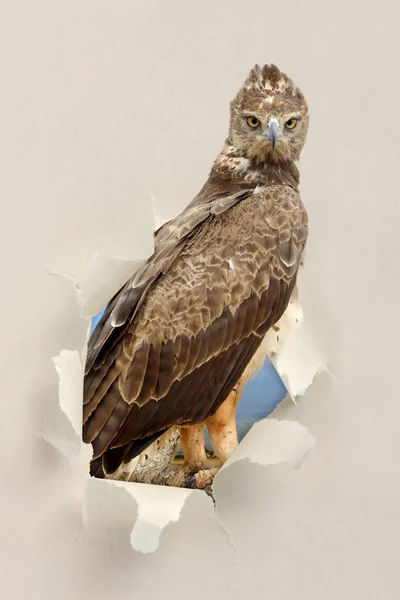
(177, 339)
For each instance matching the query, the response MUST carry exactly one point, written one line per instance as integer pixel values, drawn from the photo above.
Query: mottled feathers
(176, 338)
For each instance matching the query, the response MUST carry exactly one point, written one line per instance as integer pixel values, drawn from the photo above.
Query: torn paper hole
(145, 510)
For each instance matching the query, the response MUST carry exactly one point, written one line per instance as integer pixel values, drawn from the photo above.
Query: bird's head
(269, 117)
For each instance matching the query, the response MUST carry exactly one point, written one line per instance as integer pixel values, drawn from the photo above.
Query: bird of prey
(175, 341)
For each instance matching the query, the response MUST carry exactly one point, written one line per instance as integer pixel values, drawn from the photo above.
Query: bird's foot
(193, 475)
(201, 479)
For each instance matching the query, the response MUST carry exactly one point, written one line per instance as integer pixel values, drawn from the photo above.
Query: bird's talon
(201, 479)
(190, 482)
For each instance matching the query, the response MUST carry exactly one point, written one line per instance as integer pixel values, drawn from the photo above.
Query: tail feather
(109, 462)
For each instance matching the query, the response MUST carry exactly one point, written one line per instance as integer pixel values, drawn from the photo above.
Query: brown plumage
(178, 336)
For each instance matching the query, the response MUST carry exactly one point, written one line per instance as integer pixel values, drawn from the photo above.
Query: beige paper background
(103, 104)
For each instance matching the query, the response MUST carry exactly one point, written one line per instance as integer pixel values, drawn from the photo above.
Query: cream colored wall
(103, 102)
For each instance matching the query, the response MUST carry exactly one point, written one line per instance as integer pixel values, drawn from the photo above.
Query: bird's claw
(200, 479)
(193, 476)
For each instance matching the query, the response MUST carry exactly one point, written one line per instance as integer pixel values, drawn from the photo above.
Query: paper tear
(299, 363)
(58, 273)
(109, 511)
(153, 509)
(63, 429)
(70, 372)
(292, 351)
(141, 512)
(103, 278)
(158, 507)
(272, 442)
(276, 447)
(158, 219)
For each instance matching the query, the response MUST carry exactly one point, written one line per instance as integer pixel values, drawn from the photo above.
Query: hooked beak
(273, 132)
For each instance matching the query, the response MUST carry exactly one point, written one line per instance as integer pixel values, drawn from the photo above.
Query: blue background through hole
(259, 398)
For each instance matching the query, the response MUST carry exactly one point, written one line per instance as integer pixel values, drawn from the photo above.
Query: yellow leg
(222, 427)
(197, 471)
(192, 440)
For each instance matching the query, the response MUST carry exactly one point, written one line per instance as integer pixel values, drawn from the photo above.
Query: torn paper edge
(158, 506)
(65, 433)
(158, 219)
(292, 351)
(70, 374)
(105, 276)
(273, 442)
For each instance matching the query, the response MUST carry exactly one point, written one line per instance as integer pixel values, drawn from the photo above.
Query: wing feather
(93, 427)
(134, 378)
(195, 347)
(165, 375)
(180, 333)
(151, 376)
(101, 391)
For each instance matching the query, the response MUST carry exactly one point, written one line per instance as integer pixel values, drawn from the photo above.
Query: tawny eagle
(175, 340)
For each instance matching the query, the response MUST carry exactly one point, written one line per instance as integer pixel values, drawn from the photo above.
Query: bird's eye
(291, 124)
(252, 122)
